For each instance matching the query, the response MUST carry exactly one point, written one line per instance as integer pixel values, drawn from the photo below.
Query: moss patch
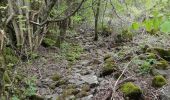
(82, 94)
(131, 90)
(47, 42)
(163, 64)
(151, 56)
(164, 53)
(107, 57)
(69, 92)
(108, 68)
(56, 77)
(85, 87)
(158, 81)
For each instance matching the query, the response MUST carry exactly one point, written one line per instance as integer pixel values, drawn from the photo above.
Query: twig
(126, 67)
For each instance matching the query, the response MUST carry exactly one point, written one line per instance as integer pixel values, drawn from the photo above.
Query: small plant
(70, 51)
(31, 87)
(145, 68)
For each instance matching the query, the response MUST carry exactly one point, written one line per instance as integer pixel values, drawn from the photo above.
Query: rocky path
(91, 77)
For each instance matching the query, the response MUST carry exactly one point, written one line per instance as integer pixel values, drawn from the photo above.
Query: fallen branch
(116, 83)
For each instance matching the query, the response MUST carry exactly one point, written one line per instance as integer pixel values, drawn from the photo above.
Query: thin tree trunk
(96, 20)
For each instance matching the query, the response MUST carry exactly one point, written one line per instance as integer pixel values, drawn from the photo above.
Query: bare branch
(61, 19)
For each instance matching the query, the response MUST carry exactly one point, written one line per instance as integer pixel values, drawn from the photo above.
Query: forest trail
(59, 79)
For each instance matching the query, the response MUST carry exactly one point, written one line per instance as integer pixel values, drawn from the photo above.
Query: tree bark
(96, 20)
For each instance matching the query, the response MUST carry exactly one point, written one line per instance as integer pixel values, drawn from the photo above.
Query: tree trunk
(96, 20)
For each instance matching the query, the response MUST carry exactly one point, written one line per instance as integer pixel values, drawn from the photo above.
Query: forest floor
(84, 78)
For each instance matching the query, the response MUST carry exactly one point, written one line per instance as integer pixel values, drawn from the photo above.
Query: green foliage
(145, 68)
(71, 51)
(10, 56)
(15, 98)
(77, 18)
(31, 87)
(135, 26)
(47, 42)
(165, 26)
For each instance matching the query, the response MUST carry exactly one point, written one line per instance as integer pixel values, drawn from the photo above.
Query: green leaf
(156, 23)
(165, 27)
(148, 25)
(135, 26)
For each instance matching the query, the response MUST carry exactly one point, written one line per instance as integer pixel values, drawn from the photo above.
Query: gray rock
(51, 97)
(165, 94)
(85, 62)
(72, 97)
(76, 81)
(87, 97)
(159, 72)
(96, 61)
(165, 73)
(92, 80)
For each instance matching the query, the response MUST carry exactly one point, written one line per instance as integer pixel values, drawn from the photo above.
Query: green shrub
(47, 42)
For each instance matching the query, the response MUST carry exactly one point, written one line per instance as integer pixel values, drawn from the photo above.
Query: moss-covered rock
(107, 56)
(105, 30)
(82, 94)
(164, 53)
(126, 35)
(151, 56)
(85, 87)
(68, 92)
(36, 97)
(163, 64)
(47, 42)
(61, 82)
(71, 86)
(159, 81)
(56, 77)
(131, 90)
(109, 67)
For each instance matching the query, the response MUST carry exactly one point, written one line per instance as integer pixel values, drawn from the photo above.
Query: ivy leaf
(165, 27)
